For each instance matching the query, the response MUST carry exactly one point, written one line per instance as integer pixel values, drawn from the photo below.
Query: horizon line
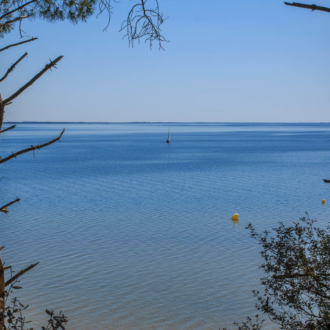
(164, 122)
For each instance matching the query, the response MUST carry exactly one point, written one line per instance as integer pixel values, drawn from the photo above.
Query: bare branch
(20, 273)
(34, 79)
(7, 129)
(12, 68)
(19, 43)
(142, 22)
(16, 9)
(105, 5)
(312, 7)
(14, 155)
(4, 208)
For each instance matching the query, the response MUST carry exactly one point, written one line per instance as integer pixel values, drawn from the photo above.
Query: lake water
(133, 233)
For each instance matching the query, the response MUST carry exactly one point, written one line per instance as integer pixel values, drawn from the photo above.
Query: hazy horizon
(161, 122)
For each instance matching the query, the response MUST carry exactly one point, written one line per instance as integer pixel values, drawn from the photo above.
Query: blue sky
(227, 61)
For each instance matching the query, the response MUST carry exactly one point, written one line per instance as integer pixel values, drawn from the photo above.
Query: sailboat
(169, 137)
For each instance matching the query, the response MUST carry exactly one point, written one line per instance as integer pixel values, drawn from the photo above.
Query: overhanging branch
(14, 20)
(20, 273)
(16, 9)
(312, 7)
(7, 129)
(19, 43)
(143, 22)
(4, 208)
(34, 79)
(14, 155)
(12, 68)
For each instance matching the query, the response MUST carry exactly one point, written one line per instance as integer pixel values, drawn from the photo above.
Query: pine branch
(20, 273)
(312, 7)
(16, 9)
(34, 79)
(19, 43)
(19, 18)
(4, 208)
(7, 129)
(12, 68)
(3, 160)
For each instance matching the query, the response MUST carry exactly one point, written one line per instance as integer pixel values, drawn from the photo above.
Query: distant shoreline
(167, 123)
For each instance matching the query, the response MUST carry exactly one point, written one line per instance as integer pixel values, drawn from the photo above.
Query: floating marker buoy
(235, 217)
(323, 201)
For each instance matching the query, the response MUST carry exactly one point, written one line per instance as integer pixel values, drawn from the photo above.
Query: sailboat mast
(169, 136)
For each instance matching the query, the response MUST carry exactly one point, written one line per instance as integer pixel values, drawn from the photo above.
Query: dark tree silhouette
(11, 314)
(142, 22)
(296, 284)
(297, 270)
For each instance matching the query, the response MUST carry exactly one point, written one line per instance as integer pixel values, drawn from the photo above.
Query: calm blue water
(132, 233)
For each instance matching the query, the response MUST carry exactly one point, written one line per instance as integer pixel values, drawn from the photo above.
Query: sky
(226, 61)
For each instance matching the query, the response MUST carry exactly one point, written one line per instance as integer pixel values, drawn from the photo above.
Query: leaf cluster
(249, 324)
(297, 275)
(11, 316)
(13, 11)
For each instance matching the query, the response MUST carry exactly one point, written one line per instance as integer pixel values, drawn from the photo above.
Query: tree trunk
(2, 111)
(2, 271)
(2, 295)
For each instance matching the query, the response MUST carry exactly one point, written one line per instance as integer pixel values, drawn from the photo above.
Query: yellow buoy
(235, 217)
(323, 201)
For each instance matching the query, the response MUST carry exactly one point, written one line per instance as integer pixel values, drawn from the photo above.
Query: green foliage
(249, 324)
(297, 275)
(12, 315)
(142, 21)
(12, 11)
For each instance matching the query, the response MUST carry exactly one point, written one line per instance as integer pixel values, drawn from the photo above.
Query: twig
(14, 20)
(12, 67)
(20, 273)
(16, 9)
(4, 208)
(19, 43)
(14, 155)
(7, 129)
(312, 7)
(144, 23)
(34, 79)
